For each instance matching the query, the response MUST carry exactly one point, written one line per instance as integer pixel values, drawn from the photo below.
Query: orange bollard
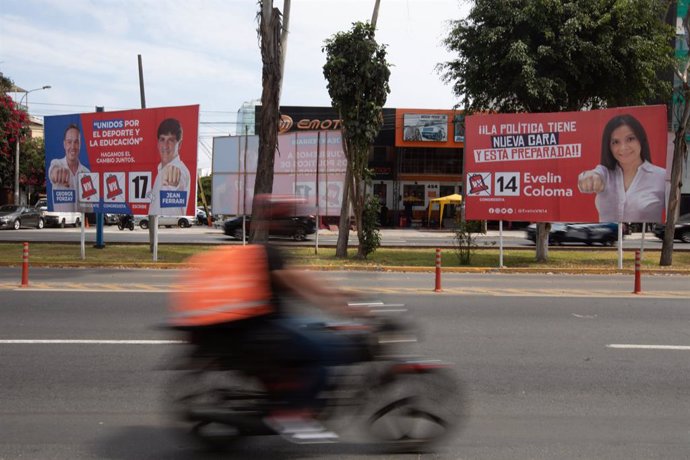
(638, 281)
(25, 265)
(438, 270)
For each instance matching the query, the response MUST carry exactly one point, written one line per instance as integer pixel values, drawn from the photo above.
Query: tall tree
(273, 38)
(32, 168)
(357, 74)
(558, 55)
(680, 145)
(14, 127)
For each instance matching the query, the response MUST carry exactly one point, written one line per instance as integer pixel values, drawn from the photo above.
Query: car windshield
(8, 208)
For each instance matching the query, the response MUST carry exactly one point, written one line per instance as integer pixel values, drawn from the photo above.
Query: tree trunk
(344, 223)
(283, 43)
(358, 194)
(542, 242)
(679, 154)
(270, 32)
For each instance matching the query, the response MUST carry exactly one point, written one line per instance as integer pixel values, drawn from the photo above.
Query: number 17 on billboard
(139, 186)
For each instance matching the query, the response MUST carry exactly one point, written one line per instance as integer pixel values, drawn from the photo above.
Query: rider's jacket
(225, 284)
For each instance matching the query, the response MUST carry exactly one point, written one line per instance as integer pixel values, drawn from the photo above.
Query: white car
(166, 221)
(57, 219)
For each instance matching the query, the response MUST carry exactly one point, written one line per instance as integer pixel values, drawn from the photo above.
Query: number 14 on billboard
(496, 184)
(507, 184)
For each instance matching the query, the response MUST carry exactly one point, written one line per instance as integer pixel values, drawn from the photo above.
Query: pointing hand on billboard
(171, 176)
(60, 177)
(590, 182)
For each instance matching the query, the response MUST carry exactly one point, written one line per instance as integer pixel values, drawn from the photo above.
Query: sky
(207, 52)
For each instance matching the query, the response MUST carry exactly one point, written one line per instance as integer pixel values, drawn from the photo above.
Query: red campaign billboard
(126, 162)
(595, 166)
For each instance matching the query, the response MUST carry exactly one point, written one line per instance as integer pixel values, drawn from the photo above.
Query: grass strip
(46, 254)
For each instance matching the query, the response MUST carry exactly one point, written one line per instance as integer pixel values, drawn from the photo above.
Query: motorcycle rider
(238, 297)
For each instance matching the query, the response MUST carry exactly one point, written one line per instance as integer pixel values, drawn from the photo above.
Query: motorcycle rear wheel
(195, 398)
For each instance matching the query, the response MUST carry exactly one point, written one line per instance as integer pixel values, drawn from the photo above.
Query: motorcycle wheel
(119, 226)
(209, 390)
(414, 412)
(131, 226)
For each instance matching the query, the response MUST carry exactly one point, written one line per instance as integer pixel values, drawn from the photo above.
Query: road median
(121, 256)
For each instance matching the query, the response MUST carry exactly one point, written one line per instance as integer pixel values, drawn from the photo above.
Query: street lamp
(16, 159)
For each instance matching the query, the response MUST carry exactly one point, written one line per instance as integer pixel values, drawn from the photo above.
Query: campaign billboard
(590, 166)
(140, 162)
(310, 164)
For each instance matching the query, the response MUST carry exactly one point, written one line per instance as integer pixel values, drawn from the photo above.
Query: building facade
(416, 157)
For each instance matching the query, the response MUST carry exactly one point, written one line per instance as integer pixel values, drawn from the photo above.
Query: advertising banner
(429, 128)
(140, 162)
(595, 166)
(425, 127)
(306, 162)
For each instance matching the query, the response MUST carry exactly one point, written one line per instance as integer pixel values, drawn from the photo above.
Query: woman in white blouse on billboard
(629, 187)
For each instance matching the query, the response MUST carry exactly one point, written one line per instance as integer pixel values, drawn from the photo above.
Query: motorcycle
(126, 221)
(388, 398)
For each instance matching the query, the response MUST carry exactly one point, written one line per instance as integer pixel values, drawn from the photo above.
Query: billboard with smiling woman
(595, 166)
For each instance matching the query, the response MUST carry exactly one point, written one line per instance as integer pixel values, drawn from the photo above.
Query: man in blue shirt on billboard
(64, 172)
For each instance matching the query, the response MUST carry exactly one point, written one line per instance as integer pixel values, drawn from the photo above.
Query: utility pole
(375, 15)
(283, 43)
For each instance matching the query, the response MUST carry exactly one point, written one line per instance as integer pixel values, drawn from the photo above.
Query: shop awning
(442, 202)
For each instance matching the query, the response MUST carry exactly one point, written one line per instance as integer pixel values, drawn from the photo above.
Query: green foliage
(357, 74)
(370, 226)
(32, 165)
(465, 239)
(206, 184)
(13, 126)
(555, 55)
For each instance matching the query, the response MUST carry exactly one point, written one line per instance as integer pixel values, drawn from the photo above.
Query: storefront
(416, 157)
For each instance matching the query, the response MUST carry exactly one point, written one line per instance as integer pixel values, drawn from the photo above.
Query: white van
(57, 219)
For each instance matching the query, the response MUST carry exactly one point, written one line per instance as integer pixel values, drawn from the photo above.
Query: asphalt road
(554, 366)
(389, 237)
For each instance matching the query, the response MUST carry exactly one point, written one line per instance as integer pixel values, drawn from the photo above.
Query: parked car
(110, 219)
(166, 221)
(682, 231)
(42, 204)
(62, 219)
(55, 218)
(15, 216)
(605, 233)
(294, 227)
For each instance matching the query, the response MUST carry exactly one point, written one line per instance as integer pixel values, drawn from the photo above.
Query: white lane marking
(629, 346)
(93, 342)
